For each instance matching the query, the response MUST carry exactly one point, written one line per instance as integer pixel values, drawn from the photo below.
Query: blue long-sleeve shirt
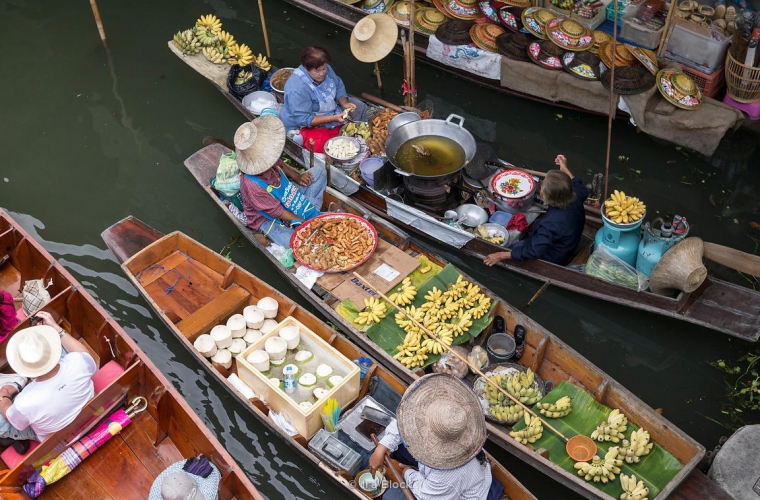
(555, 236)
(301, 105)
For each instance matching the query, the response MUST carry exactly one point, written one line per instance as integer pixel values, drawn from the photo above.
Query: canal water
(93, 134)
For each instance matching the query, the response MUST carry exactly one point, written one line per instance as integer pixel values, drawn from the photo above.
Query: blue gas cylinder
(622, 240)
(655, 243)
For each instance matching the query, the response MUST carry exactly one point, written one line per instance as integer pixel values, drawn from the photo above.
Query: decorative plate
(569, 34)
(333, 248)
(542, 58)
(513, 184)
(679, 89)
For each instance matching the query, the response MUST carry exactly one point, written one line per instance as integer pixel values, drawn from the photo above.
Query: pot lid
(599, 38)
(646, 57)
(629, 80)
(511, 17)
(535, 20)
(513, 46)
(623, 56)
(546, 54)
(513, 184)
(484, 35)
(569, 34)
(584, 65)
(679, 89)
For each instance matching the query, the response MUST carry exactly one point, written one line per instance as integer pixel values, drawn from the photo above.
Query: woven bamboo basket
(743, 81)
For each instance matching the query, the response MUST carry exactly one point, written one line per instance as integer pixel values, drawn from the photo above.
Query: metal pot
(402, 119)
(475, 215)
(445, 128)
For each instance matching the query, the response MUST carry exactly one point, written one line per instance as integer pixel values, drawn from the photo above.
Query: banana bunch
(458, 289)
(638, 446)
(531, 433)
(240, 54)
(484, 304)
(215, 55)
(520, 385)
(405, 293)
(462, 324)
(624, 209)
(226, 39)
(494, 395)
(411, 354)
(187, 42)
(611, 429)
(434, 346)
(207, 29)
(632, 489)
(449, 309)
(435, 295)
(406, 324)
(261, 62)
(243, 77)
(506, 414)
(561, 408)
(360, 129)
(599, 469)
(374, 313)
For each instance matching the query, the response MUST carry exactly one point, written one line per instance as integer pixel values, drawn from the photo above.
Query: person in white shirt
(61, 370)
(440, 424)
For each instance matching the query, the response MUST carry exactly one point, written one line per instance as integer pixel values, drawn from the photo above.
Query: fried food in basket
(339, 244)
(379, 128)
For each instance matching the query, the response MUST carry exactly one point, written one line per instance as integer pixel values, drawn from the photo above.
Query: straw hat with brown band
(441, 422)
(373, 37)
(259, 143)
(455, 32)
(629, 80)
(680, 269)
(513, 46)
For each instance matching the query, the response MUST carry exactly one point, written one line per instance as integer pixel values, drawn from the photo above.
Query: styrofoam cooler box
(697, 47)
(638, 34)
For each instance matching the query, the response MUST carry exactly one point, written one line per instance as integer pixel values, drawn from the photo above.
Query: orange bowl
(581, 448)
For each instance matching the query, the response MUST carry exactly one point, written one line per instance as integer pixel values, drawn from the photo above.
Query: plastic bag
(227, 180)
(451, 364)
(35, 295)
(605, 265)
(478, 357)
(251, 85)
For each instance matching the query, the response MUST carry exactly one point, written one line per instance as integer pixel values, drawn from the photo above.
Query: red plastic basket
(710, 85)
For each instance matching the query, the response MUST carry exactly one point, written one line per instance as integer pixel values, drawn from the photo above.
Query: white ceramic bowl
(339, 139)
(257, 101)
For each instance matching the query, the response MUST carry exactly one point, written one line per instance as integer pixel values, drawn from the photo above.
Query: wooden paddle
(735, 259)
(381, 102)
(397, 476)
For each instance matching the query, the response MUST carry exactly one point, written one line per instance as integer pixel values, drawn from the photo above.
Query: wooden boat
(220, 288)
(168, 431)
(717, 304)
(547, 355)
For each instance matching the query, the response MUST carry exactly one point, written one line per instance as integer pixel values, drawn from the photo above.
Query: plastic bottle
(289, 379)
(363, 364)
(498, 325)
(519, 341)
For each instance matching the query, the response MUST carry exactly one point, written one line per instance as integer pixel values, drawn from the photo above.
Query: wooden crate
(308, 421)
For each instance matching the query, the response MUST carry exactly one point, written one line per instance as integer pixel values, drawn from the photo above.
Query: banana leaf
(656, 469)
(387, 334)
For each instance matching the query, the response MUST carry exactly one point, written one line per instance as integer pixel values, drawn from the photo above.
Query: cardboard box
(306, 421)
(387, 267)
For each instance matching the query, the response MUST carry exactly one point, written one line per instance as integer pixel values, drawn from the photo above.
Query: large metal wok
(446, 128)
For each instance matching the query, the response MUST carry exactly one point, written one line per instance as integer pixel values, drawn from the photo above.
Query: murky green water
(93, 135)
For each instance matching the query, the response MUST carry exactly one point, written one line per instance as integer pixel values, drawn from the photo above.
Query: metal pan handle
(451, 117)
(401, 172)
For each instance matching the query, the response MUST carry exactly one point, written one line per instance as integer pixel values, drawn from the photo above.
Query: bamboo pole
(412, 78)
(459, 356)
(264, 29)
(377, 74)
(613, 107)
(666, 28)
(98, 22)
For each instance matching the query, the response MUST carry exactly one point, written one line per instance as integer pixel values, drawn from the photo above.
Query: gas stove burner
(430, 194)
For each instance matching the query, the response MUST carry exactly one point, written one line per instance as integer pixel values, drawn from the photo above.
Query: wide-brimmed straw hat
(569, 34)
(490, 10)
(400, 12)
(428, 20)
(174, 483)
(455, 32)
(546, 54)
(680, 269)
(646, 57)
(629, 80)
(34, 351)
(441, 422)
(679, 89)
(513, 46)
(373, 37)
(511, 17)
(463, 9)
(623, 56)
(535, 20)
(583, 65)
(599, 38)
(484, 35)
(259, 143)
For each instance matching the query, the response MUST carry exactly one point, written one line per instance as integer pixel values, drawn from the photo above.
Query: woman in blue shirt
(315, 99)
(555, 236)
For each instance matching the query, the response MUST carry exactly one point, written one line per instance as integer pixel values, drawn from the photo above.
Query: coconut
(237, 346)
(291, 334)
(324, 371)
(276, 347)
(302, 357)
(307, 380)
(277, 362)
(305, 405)
(236, 324)
(319, 392)
(334, 380)
(259, 359)
(268, 326)
(222, 336)
(274, 381)
(296, 370)
(254, 318)
(223, 357)
(205, 345)
(268, 307)
(251, 336)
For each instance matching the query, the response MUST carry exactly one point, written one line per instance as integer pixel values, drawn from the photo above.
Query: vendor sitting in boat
(555, 236)
(440, 431)
(316, 102)
(273, 204)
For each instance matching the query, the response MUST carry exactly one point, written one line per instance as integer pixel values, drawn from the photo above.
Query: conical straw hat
(373, 37)
(441, 422)
(680, 269)
(259, 144)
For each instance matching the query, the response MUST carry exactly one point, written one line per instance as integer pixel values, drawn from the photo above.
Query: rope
(406, 89)
(180, 276)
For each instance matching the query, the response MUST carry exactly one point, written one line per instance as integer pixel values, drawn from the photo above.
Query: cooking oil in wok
(430, 155)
